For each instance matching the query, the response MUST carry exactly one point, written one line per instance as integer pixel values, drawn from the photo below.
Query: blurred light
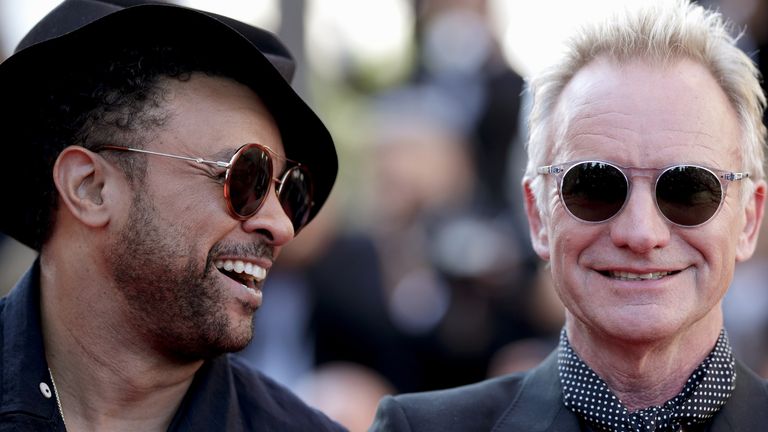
(261, 13)
(456, 42)
(17, 17)
(343, 34)
(473, 247)
(532, 33)
(419, 301)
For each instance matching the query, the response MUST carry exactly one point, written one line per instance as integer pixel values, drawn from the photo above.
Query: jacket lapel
(746, 409)
(538, 406)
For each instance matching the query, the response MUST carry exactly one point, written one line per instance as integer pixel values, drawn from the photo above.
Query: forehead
(214, 116)
(642, 114)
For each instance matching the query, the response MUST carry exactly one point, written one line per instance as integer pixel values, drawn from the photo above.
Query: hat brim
(305, 137)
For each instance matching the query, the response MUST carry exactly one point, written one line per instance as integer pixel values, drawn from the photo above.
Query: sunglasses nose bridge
(271, 219)
(645, 174)
(640, 225)
(251, 191)
(640, 192)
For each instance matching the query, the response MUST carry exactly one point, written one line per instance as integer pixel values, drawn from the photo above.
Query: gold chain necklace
(58, 401)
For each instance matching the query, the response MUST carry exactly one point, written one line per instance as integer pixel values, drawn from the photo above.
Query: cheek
(570, 238)
(570, 241)
(187, 201)
(722, 262)
(715, 247)
(199, 215)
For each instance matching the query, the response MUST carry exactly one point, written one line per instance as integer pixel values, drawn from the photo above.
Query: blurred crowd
(418, 274)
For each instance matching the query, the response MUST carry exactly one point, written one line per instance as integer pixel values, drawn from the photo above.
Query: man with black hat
(158, 160)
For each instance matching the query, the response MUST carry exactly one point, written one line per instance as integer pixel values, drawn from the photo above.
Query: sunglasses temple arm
(549, 169)
(733, 176)
(191, 159)
(198, 160)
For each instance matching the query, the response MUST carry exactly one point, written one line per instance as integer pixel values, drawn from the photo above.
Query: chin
(210, 341)
(231, 347)
(211, 350)
(237, 337)
(643, 329)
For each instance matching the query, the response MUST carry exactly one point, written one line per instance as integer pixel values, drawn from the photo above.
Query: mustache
(256, 249)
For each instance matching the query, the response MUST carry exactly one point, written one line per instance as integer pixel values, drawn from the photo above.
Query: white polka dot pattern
(705, 392)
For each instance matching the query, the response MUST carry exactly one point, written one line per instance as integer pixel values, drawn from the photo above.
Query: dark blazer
(532, 402)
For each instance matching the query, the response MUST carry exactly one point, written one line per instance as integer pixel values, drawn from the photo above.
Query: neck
(106, 377)
(644, 373)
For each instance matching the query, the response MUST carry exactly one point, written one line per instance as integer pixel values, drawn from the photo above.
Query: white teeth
(238, 266)
(622, 275)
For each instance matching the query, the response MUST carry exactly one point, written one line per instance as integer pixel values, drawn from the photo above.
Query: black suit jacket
(532, 402)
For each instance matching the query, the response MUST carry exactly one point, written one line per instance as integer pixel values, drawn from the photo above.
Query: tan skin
(645, 337)
(109, 371)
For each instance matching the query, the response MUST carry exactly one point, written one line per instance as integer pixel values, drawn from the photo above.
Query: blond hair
(663, 31)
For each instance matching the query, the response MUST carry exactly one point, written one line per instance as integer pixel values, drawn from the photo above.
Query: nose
(639, 226)
(271, 221)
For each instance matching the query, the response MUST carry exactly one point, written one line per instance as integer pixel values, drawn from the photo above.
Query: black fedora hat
(77, 31)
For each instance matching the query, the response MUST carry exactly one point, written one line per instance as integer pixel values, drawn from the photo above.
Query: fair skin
(644, 337)
(131, 303)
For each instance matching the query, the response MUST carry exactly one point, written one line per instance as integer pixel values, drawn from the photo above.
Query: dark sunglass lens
(249, 179)
(296, 196)
(594, 191)
(688, 195)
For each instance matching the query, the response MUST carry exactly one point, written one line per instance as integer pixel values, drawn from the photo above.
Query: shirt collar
(708, 388)
(26, 384)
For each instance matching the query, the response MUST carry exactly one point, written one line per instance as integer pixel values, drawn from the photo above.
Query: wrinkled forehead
(641, 107)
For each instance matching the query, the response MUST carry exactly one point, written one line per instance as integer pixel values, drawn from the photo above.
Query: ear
(79, 176)
(754, 217)
(536, 222)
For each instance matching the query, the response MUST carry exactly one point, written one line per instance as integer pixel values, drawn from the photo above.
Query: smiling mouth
(628, 276)
(246, 273)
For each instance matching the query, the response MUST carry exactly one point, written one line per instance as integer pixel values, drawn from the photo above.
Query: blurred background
(418, 274)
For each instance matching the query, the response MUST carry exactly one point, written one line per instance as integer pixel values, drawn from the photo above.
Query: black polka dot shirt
(705, 392)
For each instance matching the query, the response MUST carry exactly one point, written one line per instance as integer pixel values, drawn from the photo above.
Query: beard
(172, 300)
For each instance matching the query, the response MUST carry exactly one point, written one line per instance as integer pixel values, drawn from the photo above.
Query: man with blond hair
(644, 187)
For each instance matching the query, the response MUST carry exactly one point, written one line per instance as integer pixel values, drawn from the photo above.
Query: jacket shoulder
(472, 407)
(745, 410)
